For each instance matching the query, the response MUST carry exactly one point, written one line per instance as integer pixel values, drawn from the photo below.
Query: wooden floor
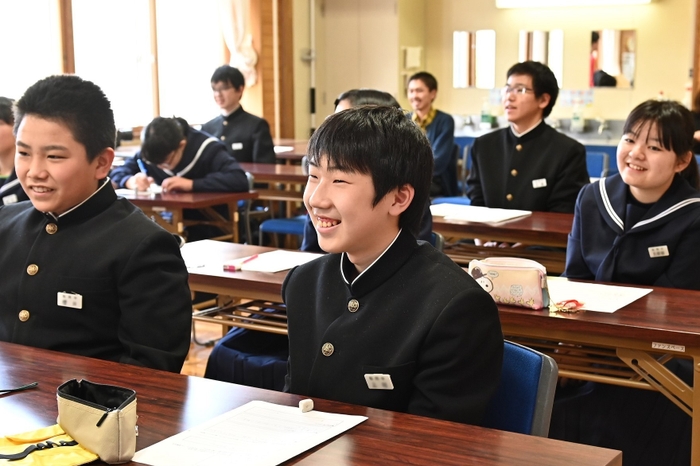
(196, 361)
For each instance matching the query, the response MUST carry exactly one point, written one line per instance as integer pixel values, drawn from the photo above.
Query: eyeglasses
(517, 90)
(219, 90)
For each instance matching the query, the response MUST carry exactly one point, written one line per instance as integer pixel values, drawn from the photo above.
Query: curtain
(235, 18)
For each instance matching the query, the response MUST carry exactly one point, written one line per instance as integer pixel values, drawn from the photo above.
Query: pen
(238, 265)
(142, 166)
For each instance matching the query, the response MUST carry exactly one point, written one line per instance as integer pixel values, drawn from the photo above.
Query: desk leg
(178, 224)
(685, 397)
(234, 216)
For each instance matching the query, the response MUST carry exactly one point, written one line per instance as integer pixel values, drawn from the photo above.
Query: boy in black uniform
(381, 309)
(85, 272)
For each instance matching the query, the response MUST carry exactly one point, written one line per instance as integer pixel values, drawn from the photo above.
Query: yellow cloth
(423, 124)
(56, 456)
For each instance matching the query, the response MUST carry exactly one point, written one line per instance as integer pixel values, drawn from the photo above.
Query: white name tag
(379, 381)
(541, 183)
(237, 146)
(658, 251)
(11, 199)
(73, 300)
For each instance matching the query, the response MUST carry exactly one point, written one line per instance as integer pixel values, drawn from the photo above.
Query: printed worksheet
(594, 296)
(255, 434)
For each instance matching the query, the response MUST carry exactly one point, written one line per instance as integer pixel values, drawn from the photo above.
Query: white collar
(344, 255)
(519, 135)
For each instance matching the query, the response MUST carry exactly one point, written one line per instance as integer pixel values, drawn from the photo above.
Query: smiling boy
(529, 165)
(439, 127)
(383, 309)
(85, 272)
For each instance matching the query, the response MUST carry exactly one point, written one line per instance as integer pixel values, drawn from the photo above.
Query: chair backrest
(523, 400)
(246, 206)
(598, 164)
(437, 240)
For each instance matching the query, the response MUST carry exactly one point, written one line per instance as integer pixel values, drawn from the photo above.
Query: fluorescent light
(564, 3)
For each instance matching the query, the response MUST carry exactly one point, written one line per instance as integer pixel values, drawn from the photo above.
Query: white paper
(281, 149)
(255, 434)
(152, 189)
(594, 296)
(471, 213)
(274, 261)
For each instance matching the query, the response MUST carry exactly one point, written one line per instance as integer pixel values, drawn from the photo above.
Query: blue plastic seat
(283, 226)
(598, 164)
(523, 400)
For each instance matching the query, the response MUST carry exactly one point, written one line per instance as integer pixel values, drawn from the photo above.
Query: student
(381, 302)
(85, 272)
(440, 129)
(529, 165)
(10, 189)
(180, 158)
(356, 98)
(246, 136)
(653, 201)
(639, 227)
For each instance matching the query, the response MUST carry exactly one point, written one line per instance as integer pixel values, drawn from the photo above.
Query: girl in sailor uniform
(642, 226)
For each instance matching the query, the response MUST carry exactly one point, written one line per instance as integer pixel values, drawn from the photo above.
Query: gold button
(223, 138)
(51, 228)
(24, 315)
(518, 147)
(32, 269)
(509, 197)
(514, 172)
(353, 305)
(327, 349)
(225, 123)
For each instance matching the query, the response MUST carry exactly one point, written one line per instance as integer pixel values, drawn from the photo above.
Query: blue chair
(598, 164)
(438, 241)
(283, 226)
(523, 400)
(462, 182)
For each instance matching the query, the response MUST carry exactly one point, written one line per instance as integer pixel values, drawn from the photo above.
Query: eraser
(306, 405)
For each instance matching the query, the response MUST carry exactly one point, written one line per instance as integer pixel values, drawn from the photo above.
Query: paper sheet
(255, 434)
(282, 149)
(153, 189)
(274, 261)
(471, 213)
(594, 296)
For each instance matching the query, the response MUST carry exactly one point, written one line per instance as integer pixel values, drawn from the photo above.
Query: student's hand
(696, 135)
(139, 182)
(177, 183)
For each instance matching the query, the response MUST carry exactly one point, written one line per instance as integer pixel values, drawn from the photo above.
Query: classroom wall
(664, 38)
(664, 41)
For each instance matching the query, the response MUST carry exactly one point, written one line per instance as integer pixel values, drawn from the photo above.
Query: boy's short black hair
(675, 127)
(543, 81)
(6, 114)
(228, 74)
(357, 97)
(79, 104)
(381, 142)
(427, 79)
(161, 137)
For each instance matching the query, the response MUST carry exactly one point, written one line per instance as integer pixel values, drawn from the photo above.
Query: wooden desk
(626, 348)
(153, 204)
(541, 228)
(293, 178)
(170, 403)
(293, 156)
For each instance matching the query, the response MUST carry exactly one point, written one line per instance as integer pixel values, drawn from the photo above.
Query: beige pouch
(101, 418)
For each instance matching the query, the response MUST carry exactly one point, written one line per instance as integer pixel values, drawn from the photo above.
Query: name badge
(379, 382)
(73, 300)
(541, 183)
(11, 199)
(658, 251)
(237, 146)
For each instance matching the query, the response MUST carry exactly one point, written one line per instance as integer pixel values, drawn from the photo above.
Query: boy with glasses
(529, 165)
(246, 136)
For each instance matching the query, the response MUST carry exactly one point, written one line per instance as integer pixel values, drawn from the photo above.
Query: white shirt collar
(512, 128)
(344, 255)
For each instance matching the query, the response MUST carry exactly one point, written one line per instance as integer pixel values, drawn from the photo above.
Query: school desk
(548, 229)
(170, 403)
(289, 178)
(627, 347)
(290, 150)
(154, 204)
